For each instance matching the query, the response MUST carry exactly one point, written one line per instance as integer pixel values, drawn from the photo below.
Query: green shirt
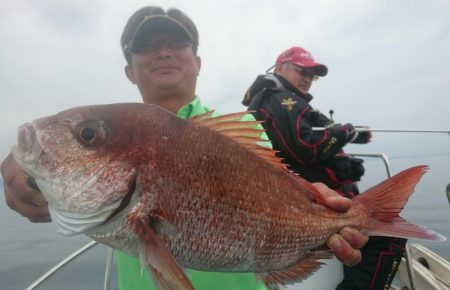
(129, 268)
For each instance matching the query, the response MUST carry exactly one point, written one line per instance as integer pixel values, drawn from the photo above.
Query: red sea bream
(196, 193)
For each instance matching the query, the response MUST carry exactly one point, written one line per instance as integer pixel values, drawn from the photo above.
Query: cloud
(388, 61)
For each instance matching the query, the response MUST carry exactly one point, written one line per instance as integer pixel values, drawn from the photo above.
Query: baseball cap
(151, 19)
(302, 58)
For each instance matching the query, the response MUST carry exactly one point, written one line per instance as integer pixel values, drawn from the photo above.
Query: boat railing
(60, 265)
(109, 257)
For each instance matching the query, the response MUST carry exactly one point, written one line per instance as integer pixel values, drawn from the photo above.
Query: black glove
(353, 136)
(363, 136)
(348, 130)
(346, 167)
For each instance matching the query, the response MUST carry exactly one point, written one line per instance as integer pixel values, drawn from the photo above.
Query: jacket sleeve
(289, 121)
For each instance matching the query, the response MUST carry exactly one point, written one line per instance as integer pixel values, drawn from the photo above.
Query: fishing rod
(365, 129)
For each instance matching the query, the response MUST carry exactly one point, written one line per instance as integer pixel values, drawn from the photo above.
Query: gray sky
(389, 61)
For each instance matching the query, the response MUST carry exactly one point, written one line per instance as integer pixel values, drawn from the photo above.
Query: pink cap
(302, 58)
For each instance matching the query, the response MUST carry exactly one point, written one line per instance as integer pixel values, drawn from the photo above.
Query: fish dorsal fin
(245, 132)
(298, 272)
(200, 117)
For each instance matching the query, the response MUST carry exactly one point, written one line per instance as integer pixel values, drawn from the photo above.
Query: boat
(430, 271)
(420, 268)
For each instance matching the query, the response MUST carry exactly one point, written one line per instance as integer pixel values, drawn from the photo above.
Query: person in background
(282, 101)
(160, 47)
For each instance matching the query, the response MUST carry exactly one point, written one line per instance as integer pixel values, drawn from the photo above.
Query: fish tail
(384, 202)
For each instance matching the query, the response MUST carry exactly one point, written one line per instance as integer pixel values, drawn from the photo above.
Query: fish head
(85, 160)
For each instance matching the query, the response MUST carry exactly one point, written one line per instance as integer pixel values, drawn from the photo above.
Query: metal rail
(382, 156)
(109, 259)
(61, 264)
(71, 258)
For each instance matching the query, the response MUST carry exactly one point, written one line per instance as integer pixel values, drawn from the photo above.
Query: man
(161, 52)
(282, 100)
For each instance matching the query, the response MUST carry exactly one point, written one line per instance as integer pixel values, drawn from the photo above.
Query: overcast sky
(389, 61)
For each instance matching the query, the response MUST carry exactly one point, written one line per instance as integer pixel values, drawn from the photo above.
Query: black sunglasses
(154, 44)
(306, 72)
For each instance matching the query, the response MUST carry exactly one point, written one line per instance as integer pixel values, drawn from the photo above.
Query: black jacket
(289, 120)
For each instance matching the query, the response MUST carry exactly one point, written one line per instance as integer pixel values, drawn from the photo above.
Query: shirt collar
(191, 109)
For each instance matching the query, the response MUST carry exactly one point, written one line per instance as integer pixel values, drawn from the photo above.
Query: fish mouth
(28, 149)
(125, 201)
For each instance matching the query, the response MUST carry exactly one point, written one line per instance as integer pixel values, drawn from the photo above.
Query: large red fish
(194, 193)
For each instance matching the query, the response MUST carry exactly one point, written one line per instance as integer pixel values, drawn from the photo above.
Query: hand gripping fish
(196, 193)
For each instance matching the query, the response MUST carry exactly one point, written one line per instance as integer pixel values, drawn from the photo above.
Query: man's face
(164, 62)
(300, 78)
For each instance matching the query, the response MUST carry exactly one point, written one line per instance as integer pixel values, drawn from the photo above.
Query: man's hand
(346, 244)
(19, 196)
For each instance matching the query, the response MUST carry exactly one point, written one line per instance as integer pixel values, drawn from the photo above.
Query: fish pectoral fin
(298, 272)
(154, 255)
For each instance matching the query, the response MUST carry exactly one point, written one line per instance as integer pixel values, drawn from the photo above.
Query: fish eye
(91, 133)
(87, 134)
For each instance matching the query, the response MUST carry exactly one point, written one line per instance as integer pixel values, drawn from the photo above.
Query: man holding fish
(161, 52)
